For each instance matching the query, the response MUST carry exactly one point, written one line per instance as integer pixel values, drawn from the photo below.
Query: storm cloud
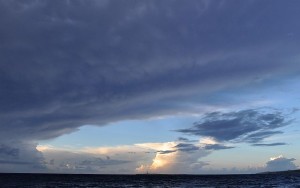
(69, 63)
(64, 64)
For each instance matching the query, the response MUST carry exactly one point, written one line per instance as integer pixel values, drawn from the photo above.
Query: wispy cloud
(166, 151)
(271, 144)
(216, 147)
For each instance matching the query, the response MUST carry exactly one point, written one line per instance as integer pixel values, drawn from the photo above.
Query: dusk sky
(158, 86)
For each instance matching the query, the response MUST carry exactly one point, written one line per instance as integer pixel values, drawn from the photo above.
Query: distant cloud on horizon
(280, 163)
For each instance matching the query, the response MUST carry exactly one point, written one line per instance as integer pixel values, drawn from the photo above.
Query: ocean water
(63, 180)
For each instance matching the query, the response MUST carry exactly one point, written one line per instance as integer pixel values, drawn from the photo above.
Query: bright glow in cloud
(161, 162)
(208, 140)
(276, 158)
(43, 148)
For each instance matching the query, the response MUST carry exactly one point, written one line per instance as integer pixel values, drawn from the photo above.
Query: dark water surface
(63, 180)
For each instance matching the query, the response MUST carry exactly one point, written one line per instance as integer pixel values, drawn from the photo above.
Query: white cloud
(179, 161)
(208, 140)
(138, 158)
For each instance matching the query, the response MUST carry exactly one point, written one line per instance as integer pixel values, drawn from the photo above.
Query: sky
(128, 87)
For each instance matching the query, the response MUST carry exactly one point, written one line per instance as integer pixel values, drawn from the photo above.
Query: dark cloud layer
(251, 126)
(69, 63)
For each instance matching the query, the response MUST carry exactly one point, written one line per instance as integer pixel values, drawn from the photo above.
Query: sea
(71, 180)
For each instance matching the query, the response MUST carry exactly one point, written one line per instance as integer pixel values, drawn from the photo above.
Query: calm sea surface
(59, 180)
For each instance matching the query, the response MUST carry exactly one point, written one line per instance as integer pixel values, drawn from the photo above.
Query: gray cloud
(21, 157)
(259, 136)
(251, 126)
(6, 150)
(166, 151)
(182, 139)
(280, 164)
(52, 162)
(216, 147)
(186, 147)
(101, 162)
(271, 144)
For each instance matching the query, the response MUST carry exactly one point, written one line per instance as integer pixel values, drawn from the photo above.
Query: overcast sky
(124, 86)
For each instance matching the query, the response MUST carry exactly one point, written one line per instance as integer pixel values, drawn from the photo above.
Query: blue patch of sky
(125, 132)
